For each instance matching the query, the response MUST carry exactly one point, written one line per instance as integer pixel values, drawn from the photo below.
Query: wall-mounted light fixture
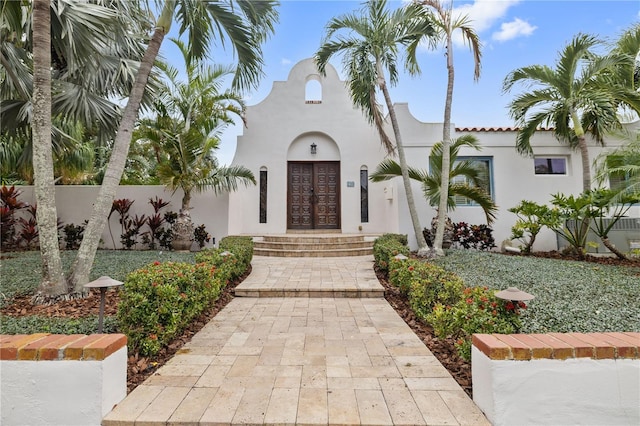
(314, 149)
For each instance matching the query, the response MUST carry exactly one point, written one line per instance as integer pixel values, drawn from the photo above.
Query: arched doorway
(313, 183)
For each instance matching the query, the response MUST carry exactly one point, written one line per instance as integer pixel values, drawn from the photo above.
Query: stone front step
(312, 277)
(330, 245)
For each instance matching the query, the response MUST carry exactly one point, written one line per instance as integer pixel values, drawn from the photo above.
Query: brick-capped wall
(51, 347)
(558, 345)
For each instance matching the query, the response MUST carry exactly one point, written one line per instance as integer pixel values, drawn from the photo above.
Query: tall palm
(471, 186)
(191, 116)
(92, 52)
(445, 24)
(370, 42)
(573, 98)
(53, 277)
(244, 24)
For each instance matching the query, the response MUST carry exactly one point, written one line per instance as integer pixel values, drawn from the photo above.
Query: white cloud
(513, 29)
(285, 61)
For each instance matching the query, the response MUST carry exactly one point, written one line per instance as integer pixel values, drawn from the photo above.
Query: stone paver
(294, 360)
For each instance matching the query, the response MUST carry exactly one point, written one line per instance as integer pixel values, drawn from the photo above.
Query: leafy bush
(73, 235)
(386, 247)
(242, 247)
(201, 235)
(477, 237)
(232, 258)
(158, 301)
(531, 218)
(434, 285)
(403, 272)
(479, 311)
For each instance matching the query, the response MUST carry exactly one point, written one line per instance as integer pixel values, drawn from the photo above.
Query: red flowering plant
(479, 311)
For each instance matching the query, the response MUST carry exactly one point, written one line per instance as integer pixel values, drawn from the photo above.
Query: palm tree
(93, 48)
(371, 48)
(445, 24)
(574, 98)
(190, 118)
(621, 165)
(53, 277)
(465, 179)
(244, 24)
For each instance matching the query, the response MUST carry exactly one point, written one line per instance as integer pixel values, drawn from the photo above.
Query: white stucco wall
(282, 126)
(75, 202)
(553, 392)
(61, 392)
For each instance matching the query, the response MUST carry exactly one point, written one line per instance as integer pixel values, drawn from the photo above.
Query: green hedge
(159, 300)
(440, 298)
(386, 247)
(233, 265)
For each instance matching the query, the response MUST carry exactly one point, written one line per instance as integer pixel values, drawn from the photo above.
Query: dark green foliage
(73, 235)
(232, 258)
(159, 300)
(477, 237)
(201, 235)
(386, 247)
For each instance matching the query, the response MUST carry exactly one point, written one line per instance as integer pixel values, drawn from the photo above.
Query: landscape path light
(103, 283)
(515, 296)
(400, 257)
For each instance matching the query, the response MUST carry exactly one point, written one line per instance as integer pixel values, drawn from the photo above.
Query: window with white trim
(484, 165)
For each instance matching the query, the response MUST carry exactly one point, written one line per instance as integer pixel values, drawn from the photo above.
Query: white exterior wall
(554, 392)
(62, 392)
(282, 127)
(75, 203)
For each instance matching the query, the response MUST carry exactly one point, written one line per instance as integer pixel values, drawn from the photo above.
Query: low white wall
(75, 204)
(554, 392)
(62, 392)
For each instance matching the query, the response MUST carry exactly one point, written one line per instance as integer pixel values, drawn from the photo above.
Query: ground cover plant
(570, 296)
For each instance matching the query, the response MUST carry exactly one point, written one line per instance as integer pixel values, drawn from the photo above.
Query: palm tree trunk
(586, 169)
(53, 283)
(446, 154)
(607, 243)
(86, 254)
(417, 229)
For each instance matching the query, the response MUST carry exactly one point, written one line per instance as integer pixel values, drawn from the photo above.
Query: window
(550, 165)
(484, 165)
(313, 92)
(617, 179)
(364, 194)
(263, 195)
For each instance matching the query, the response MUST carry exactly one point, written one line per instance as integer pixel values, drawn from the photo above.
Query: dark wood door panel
(313, 195)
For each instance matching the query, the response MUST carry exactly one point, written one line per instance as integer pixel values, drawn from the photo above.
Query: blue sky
(514, 33)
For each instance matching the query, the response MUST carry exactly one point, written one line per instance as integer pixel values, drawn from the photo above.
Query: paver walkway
(295, 360)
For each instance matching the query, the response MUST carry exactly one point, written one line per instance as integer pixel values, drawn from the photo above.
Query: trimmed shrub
(479, 311)
(233, 265)
(159, 300)
(434, 285)
(403, 272)
(386, 247)
(241, 247)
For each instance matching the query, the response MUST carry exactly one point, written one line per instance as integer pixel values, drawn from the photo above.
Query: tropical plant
(532, 217)
(621, 165)
(370, 43)
(609, 207)
(471, 186)
(190, 118)
(575, 98)
(445, 24)
(244, 24)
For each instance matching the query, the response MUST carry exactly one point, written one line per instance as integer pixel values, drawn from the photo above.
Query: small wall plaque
(350, 184)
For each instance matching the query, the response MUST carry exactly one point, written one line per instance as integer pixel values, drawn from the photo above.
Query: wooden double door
(313, 195)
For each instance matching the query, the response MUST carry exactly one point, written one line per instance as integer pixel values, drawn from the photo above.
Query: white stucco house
(312, 151)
